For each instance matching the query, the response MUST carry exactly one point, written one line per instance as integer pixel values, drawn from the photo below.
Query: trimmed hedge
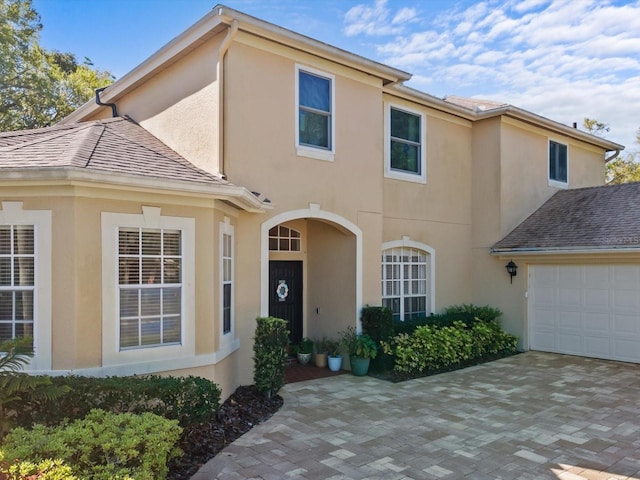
(188, 400)
(270, 354)
(467, 314)
(102, 446)
(432, 348)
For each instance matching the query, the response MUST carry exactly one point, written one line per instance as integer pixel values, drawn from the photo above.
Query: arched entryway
(311, 271)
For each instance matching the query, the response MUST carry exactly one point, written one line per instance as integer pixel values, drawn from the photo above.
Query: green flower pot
(359, 365)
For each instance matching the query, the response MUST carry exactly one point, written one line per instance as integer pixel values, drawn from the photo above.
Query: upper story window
(405, 146)
(17, 281)
(315, 111)
(284, 239)
(558, 164)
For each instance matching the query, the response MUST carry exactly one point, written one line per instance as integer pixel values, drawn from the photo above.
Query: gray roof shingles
(604, 217)
(116, 145)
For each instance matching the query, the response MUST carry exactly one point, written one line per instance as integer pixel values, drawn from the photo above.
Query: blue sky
(563, 59)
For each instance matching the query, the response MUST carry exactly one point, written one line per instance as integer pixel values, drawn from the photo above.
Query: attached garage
(587, 310)
(582, 292)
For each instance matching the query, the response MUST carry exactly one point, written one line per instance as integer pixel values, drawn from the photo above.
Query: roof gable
(604, 217)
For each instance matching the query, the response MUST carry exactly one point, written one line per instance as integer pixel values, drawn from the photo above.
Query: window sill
(405, 177)
(557, 184)
(316, 154)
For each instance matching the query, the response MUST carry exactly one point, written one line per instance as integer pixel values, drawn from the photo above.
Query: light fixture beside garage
(512, 269)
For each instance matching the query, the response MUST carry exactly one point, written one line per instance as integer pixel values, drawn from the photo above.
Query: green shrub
(484, 314)
(102, 446)
(16, 387)
(435, 348)
(44, 470)
(377, 322)
(270, 354)
(186, 399)
(467, 314)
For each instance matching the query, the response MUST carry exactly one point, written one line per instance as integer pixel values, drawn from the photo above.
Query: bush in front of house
(101, 446)
(188, 400)
(432, 348)
(465, 313)
(45, 470)
(270, 354)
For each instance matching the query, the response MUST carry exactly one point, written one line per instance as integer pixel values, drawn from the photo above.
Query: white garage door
(588, 310)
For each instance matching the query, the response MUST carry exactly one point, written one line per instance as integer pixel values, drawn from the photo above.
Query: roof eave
(210, 25)
(564, 250)
(238, 196)
(535, 119)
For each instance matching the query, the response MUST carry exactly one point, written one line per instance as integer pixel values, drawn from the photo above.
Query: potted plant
(334, 356)
(321, 352)
(361, 348)
(305, 350)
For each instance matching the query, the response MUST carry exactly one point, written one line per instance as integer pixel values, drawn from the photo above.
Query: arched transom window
(406, 282)
(284, 239)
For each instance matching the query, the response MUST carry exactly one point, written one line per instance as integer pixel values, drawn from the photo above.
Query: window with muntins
(150, 287)
(314, 110)
(405, 282)
(284, 239)
(405, 150)
(17, 281)
(227, 282)
(557, 162)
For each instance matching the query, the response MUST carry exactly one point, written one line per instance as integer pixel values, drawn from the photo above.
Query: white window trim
(556, 183)
(134, 359)
(228, 341)
(13, 214)
(305, 150)
(408, 243)
(395, 174)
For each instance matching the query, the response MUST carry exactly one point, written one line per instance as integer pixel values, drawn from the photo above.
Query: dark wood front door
(285, 295)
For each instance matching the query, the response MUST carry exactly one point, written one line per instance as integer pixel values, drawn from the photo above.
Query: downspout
(224, 46)
(612, 157)
(114, 111)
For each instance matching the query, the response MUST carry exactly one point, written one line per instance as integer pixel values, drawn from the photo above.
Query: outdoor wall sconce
(512, 269)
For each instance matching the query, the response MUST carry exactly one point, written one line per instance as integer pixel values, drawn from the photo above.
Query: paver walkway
(531, 416)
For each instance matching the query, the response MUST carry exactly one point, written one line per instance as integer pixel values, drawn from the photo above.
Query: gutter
(240, 197)
(213, 23)
(538, 120)
(224, 46)
(560, 250)
(612, 157)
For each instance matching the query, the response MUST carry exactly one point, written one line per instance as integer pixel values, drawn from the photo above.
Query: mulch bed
(201, 442)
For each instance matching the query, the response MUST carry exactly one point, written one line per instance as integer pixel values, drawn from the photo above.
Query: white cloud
(564, 59)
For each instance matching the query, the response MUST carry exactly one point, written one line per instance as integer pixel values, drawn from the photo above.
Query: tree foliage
(38, 87)
(624, 169)
(14, 385)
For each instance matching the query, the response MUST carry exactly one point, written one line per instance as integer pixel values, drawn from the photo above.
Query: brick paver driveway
(531, 416)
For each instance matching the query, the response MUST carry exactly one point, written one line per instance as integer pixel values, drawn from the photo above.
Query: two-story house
(245, 170)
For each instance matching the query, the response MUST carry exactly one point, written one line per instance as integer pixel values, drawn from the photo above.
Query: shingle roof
(116, 145)
(605, 217)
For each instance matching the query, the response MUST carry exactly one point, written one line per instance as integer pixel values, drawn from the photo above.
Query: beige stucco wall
(510, 182)
(437, 214)
(179, 105)
(76, 279)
